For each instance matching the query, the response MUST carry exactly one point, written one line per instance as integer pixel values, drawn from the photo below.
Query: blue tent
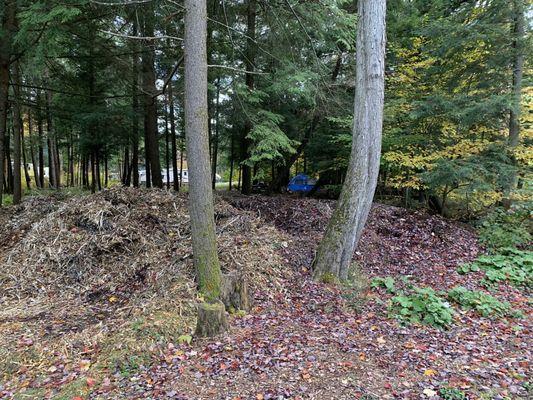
(301, 183)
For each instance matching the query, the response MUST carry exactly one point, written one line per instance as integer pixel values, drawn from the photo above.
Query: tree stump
(234, 292)
(211, 319)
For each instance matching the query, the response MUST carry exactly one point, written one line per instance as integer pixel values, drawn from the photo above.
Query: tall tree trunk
(106, 171)
(518, 70)
(335, 252)
(8, 26)
(135, 106)
(249, 61)
(40, 148)
(231, 162)
(172, 116)
(27, 177)
(31, 137)
(217, 133)
(200, 193)
(53, 153)
(167, 147)
(150, 101)
(126, 166)
(17, 132)
(9, 186)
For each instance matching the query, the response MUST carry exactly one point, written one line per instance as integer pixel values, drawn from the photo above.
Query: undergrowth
(483, 303)
(512, 265)
(503, 228)
(423, 306)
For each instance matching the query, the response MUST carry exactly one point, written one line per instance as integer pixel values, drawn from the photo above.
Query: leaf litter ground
(98, 302)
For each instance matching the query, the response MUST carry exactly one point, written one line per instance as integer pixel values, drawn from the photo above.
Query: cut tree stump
(234, 292)
(211, 319)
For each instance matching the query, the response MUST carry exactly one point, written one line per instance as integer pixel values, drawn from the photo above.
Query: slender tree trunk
(25, 159)
(231, 162)
(9, 187)
(32, 150)
(172, 116)
(135, 106)
(150, 101)
(40, 147)
(106, 171)
(17, 131)
(518, 70)
(197, 141)
(335, 252)
(167, 147)
(126, 165)
(8, 26)
(249, 61)
(53, 158)
(217, 133)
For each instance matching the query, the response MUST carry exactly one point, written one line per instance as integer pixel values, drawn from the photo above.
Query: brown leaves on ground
(301, 340)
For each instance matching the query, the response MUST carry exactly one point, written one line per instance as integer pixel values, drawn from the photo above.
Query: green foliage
(387, 283)
(506, 228)
(483, 303)
(452, 394)
(424, 306)
(511, 265)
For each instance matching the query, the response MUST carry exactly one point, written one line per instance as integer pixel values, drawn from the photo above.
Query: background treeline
(92, 92)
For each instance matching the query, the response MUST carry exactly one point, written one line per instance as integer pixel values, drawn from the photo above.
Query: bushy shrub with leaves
(506, 228)
(387, 283)
(424, 306)
(515, 266)
(452, 394)
(483, 303)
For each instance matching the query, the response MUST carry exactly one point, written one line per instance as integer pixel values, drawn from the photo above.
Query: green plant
(483, 303)
(506, 228)
(387, 283)
(422, 306)
(452, 394)
(515, 266)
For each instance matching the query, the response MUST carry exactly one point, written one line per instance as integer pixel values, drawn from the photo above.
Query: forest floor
(98, 297)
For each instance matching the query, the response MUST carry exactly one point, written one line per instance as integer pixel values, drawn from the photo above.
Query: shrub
(515, 266)
(422, 306)
(452, 394)
(483, 303)
(506, 228)
(387, 283)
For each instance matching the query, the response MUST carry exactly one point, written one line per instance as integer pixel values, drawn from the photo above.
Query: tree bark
(197, 140)
(167, 146)
(40, 147)
(216, 137)
(8, 25)
(134, 170)
(172, 116)
(150, 100)
(246, 184)
(17, 131)
(335, 252)
(32, 150)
